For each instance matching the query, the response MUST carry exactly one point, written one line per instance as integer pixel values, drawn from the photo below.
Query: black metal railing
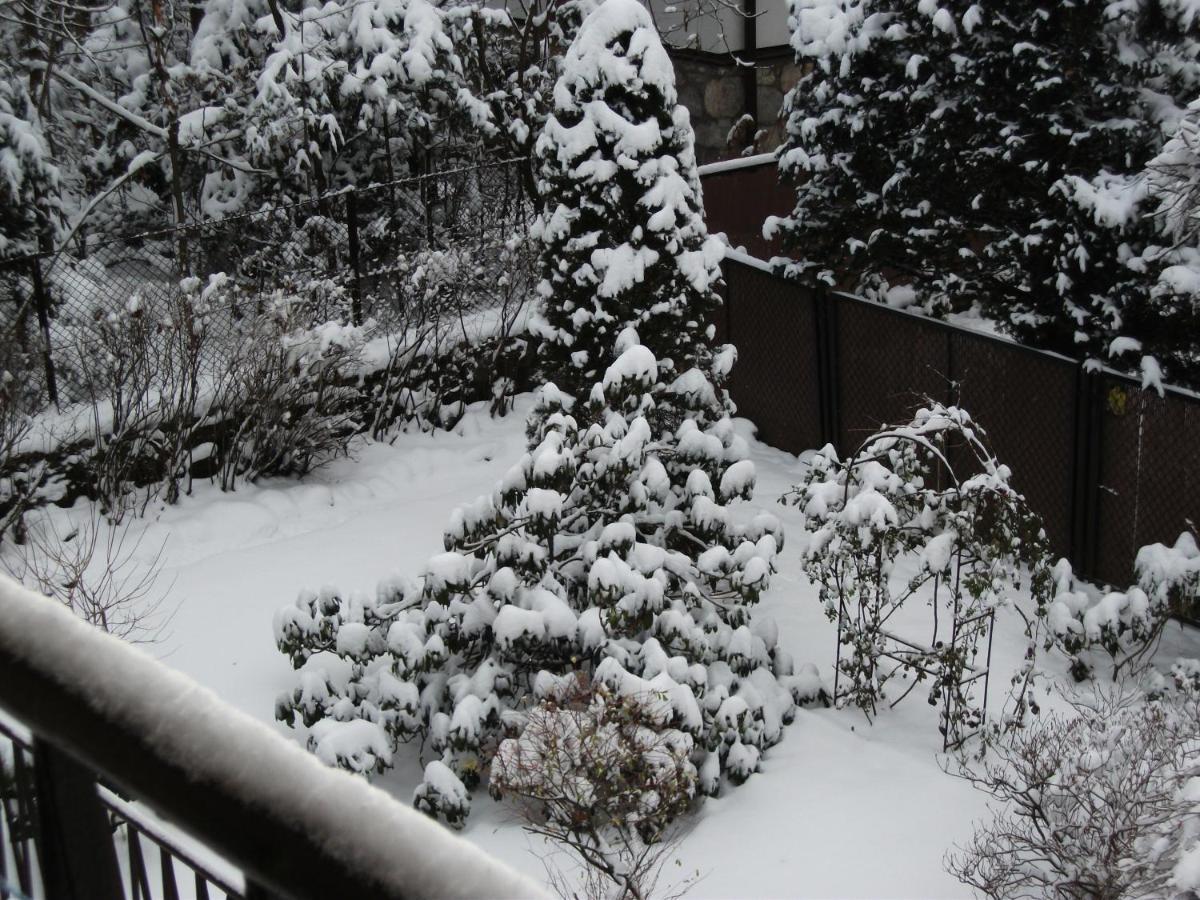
(96, 807)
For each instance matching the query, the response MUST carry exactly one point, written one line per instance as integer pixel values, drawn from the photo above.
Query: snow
(191, 727)
(234, 559)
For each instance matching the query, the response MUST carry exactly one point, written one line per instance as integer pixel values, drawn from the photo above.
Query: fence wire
(360, 254)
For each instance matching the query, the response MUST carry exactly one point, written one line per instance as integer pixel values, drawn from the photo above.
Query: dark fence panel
(887, 363)
(1026, 403)
(738, 200)
(1109, 467)
(1149, 485)
(775, 385)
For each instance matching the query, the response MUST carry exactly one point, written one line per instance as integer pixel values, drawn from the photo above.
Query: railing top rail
(298, 828)
(767, 268)
(742, 162)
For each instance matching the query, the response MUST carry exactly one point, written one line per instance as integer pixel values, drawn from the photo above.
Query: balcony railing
(120, 778)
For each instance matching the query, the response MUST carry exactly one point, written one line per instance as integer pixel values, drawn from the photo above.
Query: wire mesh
(366, 253)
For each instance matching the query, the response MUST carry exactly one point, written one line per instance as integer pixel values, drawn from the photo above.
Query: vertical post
(750, 49)
(42, 302)
(75, 847)
(1085, 484)
(827, 364)
(355, 267)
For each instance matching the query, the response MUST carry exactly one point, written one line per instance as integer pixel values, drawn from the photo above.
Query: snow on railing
(296, 827)
(741, 162)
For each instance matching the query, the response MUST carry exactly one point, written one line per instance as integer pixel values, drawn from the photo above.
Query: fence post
(42, 302)
(1085, 488)
(75, 843)
(825, 309)
(355, 267)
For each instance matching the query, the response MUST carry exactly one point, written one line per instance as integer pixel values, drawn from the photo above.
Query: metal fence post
(75, 843)
(355, 266)
(1088, 455)
(41, 301)
(825, 309)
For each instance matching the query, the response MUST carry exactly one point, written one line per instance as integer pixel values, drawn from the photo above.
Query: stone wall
(712, 87)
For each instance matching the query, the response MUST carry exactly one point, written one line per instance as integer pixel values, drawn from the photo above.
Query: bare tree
(93, 569)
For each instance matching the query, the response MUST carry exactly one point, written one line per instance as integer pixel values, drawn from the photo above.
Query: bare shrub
(93, 570)
(1085, 799)
(146, 371)
(600, 776)
(287, 401)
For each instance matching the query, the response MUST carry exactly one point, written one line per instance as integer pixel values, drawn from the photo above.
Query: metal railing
(112, 733)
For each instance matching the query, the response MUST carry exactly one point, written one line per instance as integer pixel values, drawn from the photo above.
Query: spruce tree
(622, 229)
(957, 153)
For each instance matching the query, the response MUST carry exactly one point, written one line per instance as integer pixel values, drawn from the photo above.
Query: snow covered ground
(841, 808)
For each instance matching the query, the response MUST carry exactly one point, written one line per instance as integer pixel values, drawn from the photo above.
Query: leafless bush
(287, 400)
(1082, 800)
(143, 371)
(93, 570)
(599, 776)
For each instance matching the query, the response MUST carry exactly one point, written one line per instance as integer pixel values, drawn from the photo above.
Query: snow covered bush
(1126, 624)
(1102, 801)
(921, 512)
(607, 551)
(601, 774)
(290, 404)
(953, 153)
(622, 227)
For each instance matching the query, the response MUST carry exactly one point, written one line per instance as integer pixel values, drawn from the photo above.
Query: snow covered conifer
(608, 553)
(624, 241)
(29, 180)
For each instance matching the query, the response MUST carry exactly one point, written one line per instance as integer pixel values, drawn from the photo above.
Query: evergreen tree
(959, 153)
(624, 241)
(588, 561)
(29, 179)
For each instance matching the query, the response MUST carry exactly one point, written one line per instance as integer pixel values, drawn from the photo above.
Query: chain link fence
(445, 239)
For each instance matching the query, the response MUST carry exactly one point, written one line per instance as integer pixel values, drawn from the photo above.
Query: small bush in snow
(607, 550)
(1127, 625)
(1100, 802)
(602, 774)
(898, 522)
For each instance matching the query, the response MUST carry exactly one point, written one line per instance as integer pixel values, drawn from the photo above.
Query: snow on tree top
(595, 57)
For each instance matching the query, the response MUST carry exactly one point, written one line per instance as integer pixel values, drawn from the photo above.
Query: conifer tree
(956, 153)
(624, 241)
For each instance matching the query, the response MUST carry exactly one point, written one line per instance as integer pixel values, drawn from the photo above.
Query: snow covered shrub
(1126, 624)
(287, 392)
(30, 206)
(607, 551)
(921, 512)
(145, 370)
(1100, 802)
(602, 774)
(1038, 110)
(622, 226)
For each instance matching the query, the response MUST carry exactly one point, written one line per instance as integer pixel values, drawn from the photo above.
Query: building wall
(713, 88)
